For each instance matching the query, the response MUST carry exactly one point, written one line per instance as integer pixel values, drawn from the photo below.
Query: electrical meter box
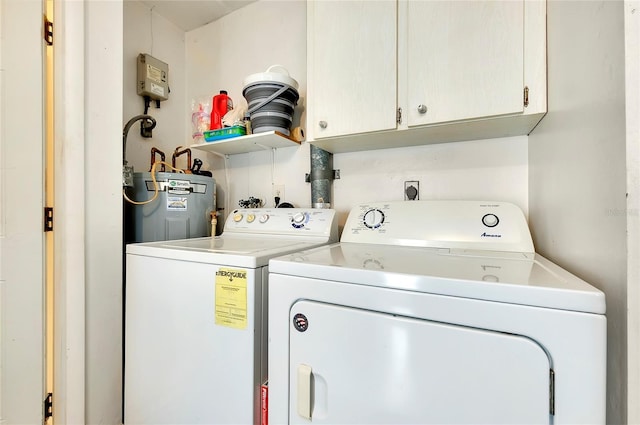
(153, 77)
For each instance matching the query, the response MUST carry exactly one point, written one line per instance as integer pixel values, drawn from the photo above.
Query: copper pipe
(155, 151)
(178, 153)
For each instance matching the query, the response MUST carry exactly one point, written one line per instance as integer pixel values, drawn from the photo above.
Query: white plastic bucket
(271, 97)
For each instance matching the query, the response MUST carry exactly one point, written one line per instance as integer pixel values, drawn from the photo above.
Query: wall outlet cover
(411, 190)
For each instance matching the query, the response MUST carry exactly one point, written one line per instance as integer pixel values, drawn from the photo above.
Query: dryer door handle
(305, 375)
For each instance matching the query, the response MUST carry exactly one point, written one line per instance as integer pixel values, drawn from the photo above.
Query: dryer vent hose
(320, 177)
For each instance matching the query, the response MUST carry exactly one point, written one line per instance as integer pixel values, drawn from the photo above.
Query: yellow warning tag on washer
(231, 298)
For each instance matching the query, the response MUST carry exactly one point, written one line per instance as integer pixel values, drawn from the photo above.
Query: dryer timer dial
(373, 218)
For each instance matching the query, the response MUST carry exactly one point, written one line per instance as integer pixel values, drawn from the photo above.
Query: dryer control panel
(465, 225)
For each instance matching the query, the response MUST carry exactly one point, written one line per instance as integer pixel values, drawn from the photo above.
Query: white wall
(147, 32)
(22, 248)
(221, 54)
(577, 178)
(632, 85)
(492, 169)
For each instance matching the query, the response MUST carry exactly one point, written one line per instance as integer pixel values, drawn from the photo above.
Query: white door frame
(69, 375)
(88, 228)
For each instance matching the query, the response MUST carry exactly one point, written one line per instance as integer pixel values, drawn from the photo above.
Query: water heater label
(231, 298)
(176, 203)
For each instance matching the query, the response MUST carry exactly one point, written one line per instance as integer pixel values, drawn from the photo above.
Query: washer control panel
(470, 225)
(283, 221)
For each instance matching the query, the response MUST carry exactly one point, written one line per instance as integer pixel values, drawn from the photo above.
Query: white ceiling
(191, 14)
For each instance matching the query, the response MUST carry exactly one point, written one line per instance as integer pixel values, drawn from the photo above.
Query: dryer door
(351, 366)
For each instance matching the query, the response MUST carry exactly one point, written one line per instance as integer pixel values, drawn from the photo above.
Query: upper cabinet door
(465, 60)
(351, 67)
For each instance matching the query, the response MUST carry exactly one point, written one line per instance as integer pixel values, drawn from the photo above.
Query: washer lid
(515, 278)
(234, 250)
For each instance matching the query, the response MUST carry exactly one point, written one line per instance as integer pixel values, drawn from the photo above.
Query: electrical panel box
(153, 77)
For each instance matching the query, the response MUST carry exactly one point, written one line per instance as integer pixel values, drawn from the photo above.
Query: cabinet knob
(322, 124)
(422, 109)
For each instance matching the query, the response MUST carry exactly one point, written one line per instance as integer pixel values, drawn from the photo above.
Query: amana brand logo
(490, 235)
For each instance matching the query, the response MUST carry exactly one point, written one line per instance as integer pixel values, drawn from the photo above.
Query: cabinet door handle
(422, 109)
(323, 124)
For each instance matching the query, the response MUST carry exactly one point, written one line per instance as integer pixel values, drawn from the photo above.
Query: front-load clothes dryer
(195, 324)
(433, 312)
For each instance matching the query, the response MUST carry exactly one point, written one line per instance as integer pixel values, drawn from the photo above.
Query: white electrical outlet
(278, 190)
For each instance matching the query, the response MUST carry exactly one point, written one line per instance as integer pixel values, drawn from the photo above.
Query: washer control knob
(264, 218)
(299, 217)
(490, 220)
(250, 218)
(373, 218)
(237, 217)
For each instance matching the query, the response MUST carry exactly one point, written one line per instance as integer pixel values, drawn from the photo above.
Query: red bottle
(220, 105)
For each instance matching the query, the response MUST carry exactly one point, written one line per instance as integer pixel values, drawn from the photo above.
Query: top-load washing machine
(433, 312)
(195, 324)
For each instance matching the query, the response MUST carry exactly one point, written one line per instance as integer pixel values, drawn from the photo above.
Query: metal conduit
(320, 177)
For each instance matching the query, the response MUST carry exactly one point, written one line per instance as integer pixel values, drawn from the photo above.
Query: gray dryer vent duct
(320, 177)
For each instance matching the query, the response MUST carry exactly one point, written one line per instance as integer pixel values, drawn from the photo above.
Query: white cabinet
(352, 66)
(464, 60)
(400, 73)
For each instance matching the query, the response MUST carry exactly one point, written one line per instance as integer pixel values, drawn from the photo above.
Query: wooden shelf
(250, 143)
